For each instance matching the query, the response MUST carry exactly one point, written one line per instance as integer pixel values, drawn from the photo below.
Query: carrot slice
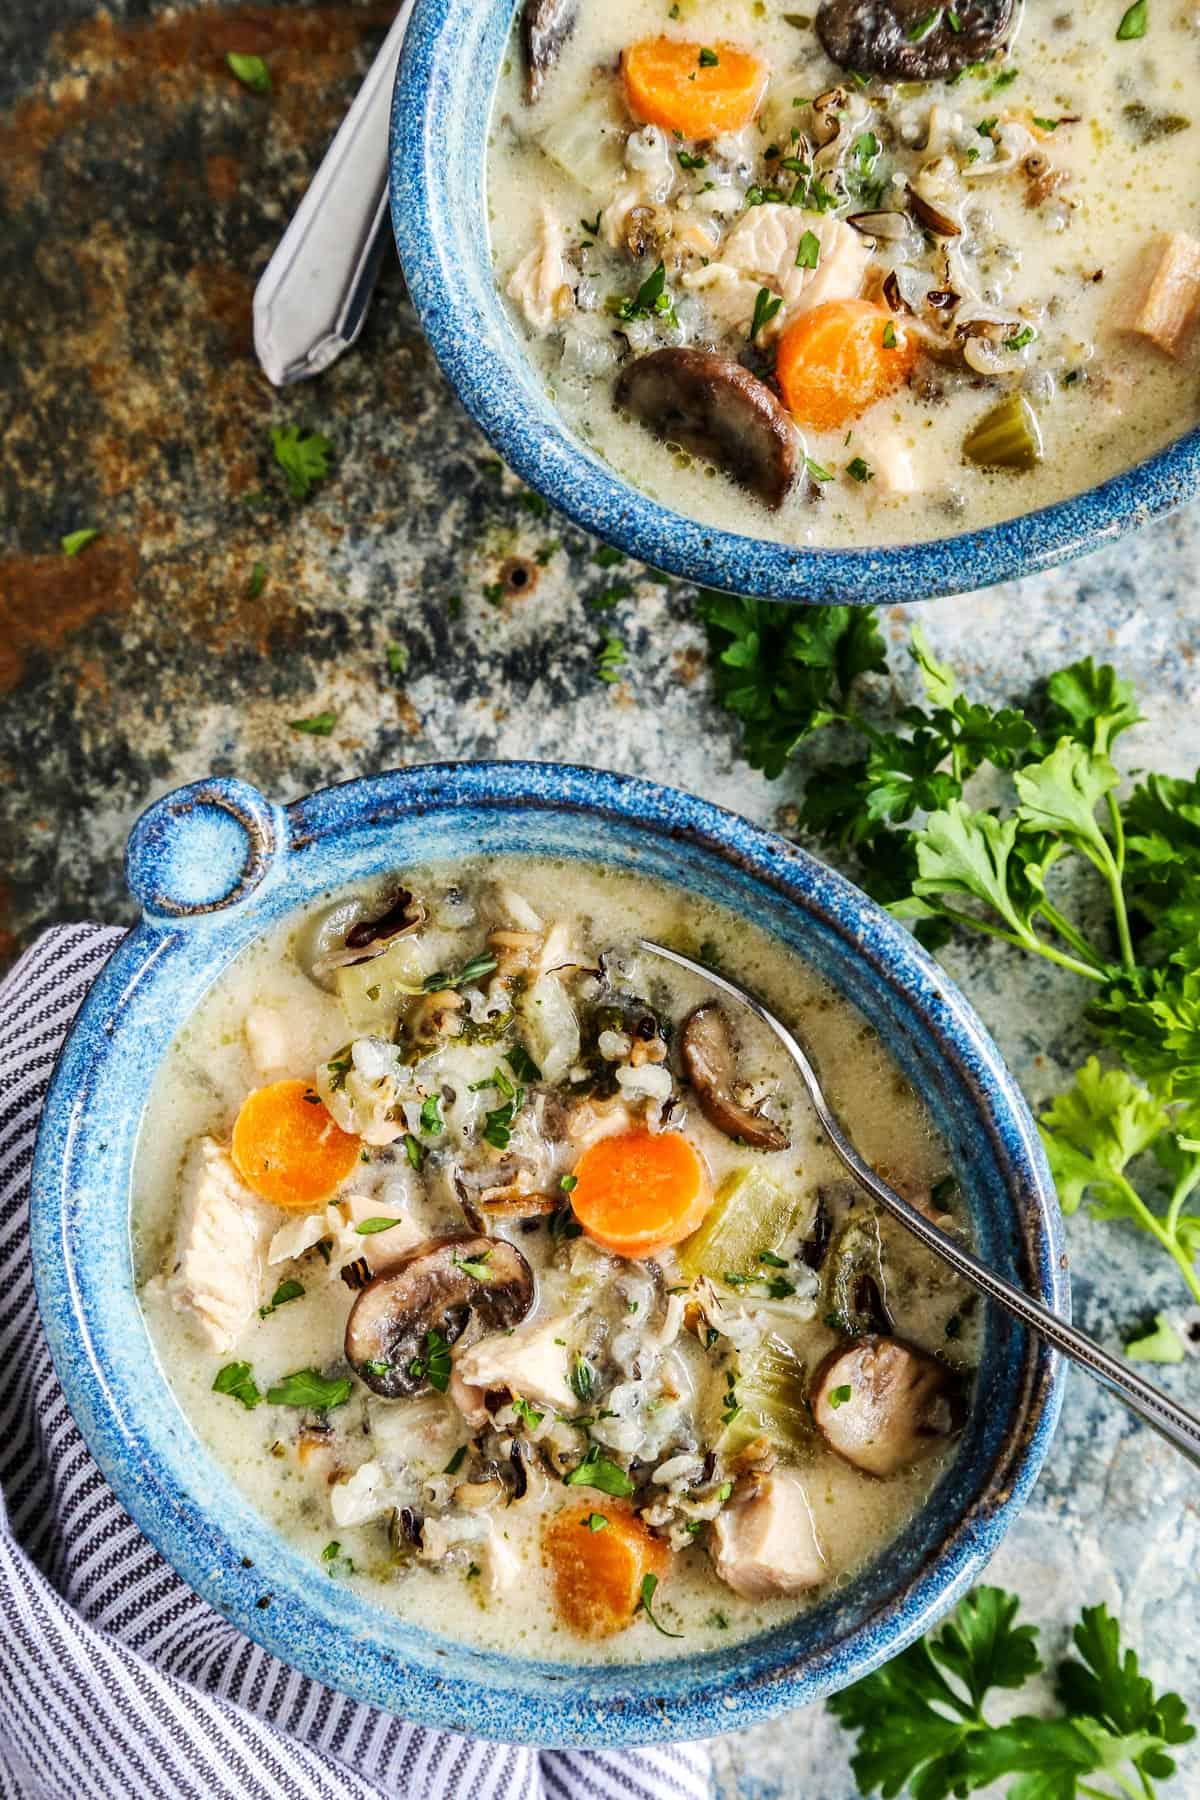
(287, 1147)
(639, 1192)
(598, 1569)
(696, 90)
(839, 358)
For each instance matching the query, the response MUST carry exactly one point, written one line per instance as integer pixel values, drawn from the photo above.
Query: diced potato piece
(750, 1214)
(771, 1395)
(373, 992)
(586, 139)
(1170, 302)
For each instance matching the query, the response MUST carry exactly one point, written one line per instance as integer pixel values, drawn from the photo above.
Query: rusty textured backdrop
(142, 190)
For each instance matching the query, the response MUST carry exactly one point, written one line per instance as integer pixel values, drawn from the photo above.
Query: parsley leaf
(645, 1605)
(75, 541)
(599, 1471)
(1133, 22)
(287, 1290)
(303, 457)
(236, 1380)
(251, 71)
(766, 305)
(309, 1388)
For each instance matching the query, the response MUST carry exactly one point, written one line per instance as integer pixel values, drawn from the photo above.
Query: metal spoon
(1180, 1427)
(312, 297)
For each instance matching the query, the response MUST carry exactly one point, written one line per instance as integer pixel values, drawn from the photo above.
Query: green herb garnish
(303, 457)
(645, 1599)
(309, 1388)
(236, 1380)
(251, 71)
(599, 1471)
(287, 1290)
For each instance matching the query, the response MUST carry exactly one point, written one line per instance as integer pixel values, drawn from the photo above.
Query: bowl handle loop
(202, 849)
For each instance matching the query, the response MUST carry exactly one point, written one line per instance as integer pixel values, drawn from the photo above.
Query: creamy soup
(510, 1278)
(876, 273)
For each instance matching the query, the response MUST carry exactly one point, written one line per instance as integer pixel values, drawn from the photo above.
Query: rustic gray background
(142, 190)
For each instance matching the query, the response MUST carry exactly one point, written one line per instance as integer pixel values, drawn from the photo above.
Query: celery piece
(1007, 437)
(769, 1399)
(750, 1214)
(372, 992)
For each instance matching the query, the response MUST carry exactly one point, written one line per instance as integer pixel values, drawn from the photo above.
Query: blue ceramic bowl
(451, 57)
(215, 865)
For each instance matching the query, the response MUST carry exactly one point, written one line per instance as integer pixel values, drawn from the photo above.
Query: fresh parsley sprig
(899, 800)
(922, 1725)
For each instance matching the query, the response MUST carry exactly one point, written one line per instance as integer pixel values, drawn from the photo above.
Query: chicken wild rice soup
(509, 1276)
(874, 273)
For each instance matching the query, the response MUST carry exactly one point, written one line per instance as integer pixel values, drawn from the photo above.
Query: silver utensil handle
(1180, 1427)
(312, 297)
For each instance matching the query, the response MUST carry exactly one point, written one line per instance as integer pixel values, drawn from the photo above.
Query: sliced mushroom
(855, 1287)
(446, 1285)
(545, 27)
(883, 1405)
(402, 914)
(706, 1047)
(719, 411)
(886, 37)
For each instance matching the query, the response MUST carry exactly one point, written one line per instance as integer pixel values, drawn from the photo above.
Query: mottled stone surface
(143, 190)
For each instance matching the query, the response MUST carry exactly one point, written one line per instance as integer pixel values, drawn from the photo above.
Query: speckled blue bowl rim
(182, 1500)
(442, 99)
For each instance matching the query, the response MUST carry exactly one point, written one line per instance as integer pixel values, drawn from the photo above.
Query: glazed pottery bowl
(214, 866)
(452, 53)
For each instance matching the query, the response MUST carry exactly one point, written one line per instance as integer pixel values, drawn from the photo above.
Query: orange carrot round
(697, 90)
(287, 1147)
(640, 1191)
(598, 1568)
(838, 359)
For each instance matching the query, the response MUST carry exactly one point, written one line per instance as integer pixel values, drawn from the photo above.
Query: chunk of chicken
(770, 1544)
(1169, 302)
(531, 1362)
(361, 1497)
(891, 462)
(540, 283)
(219, 1245)
(297, 1236)
(761, 251)
(380, 1248)
(267, 1040)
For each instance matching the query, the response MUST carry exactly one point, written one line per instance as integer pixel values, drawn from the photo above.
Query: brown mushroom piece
(706, 1049)
(884, 1405)
(719, 411)
(906, 40)
(447, 1285)
(545, 27)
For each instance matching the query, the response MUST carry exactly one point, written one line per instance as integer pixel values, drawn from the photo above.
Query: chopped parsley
(709, 59)
(651, 300)
(434, 1366)
(287, 1290)
(522, 1064)
(766, 305)
(236, 1380)
(645, 1605)
(610, 660)
(317, 725)
(257, 581)
(889, 336)
(75, 541)
(370, 1227)
(583, 1379)
(251, 71)
(303, 457)
(414, 1152)
(568, 1183)
(595, 1521)
(456, 1461)
(431, 1116)
(528, 1415)
(309, 1388)
(475, 1266)
(816, 471)
(920, 29)
(839, 1396)
(397, 659)
(1019, 339)
(688, 160)
(858, 470)
(599, 1471)
(808, 251)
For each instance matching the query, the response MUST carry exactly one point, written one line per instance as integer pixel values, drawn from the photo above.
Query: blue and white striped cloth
(115, 1679)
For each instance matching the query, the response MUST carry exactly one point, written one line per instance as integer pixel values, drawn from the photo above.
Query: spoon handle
(1180, 1427)
(312, 296)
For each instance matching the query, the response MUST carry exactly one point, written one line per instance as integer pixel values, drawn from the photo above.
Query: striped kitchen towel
(115, 1679)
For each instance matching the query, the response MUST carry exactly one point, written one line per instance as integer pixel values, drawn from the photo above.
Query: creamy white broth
(1072, 270)
(204, 1081)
